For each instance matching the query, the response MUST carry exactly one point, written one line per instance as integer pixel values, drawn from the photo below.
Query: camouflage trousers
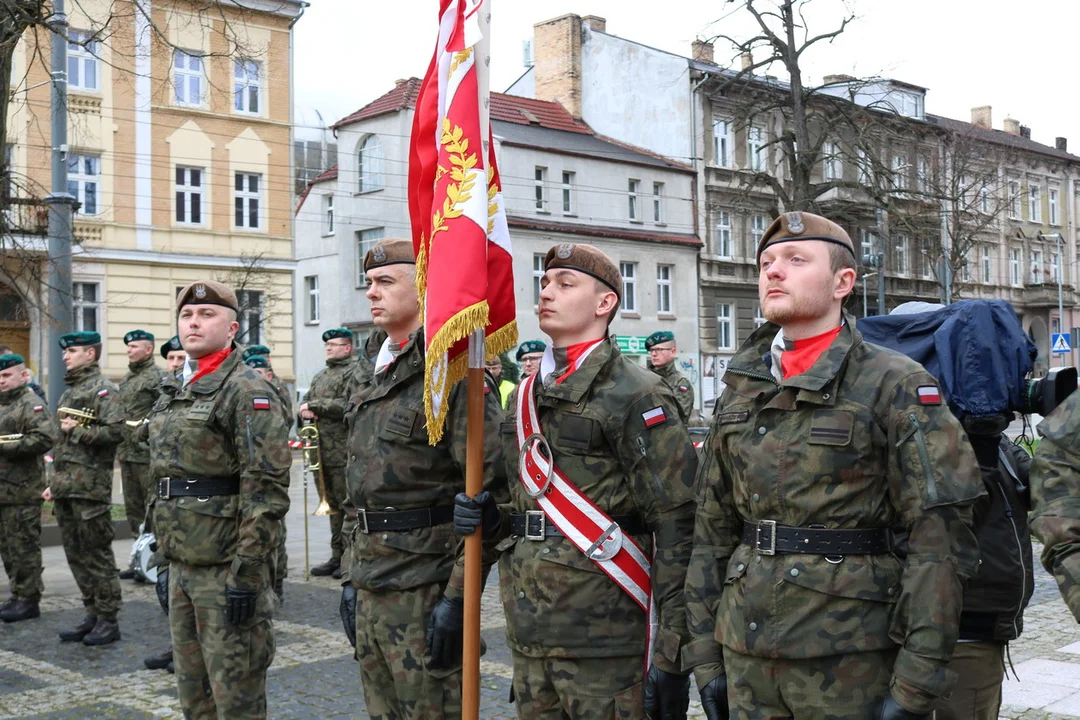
(334, 477)
(281, 558)
(839, 687)
(980, 668)
(391, 648)
(86, 530)
(220, 667)
(20, 549)
(579, 688)
(135, 478)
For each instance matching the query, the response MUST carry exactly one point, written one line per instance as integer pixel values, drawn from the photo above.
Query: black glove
(347, 608)
(239, 605)
(714, 699)
(471, 513)
(892, 710)
(444, 631)
(667, 695)
(162, 588)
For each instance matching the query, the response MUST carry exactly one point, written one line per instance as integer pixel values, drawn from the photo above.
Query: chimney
(595, 23)
(399, 82)
(1025, 132)
(557, 61)
(747, 60)
(1061, 144)
(837, 79)
(701, 50)
(1012, 126)
(982, 117)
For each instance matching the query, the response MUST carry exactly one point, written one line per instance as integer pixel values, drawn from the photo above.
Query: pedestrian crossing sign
(1060, 345)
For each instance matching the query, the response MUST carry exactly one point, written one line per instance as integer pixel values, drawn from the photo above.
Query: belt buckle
(361, 516)
(540, 534)
(771, 549)
(165, 482)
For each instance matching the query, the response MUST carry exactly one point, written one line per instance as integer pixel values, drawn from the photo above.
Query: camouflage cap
(207, 292)
(529, 347)
(391, 251)
(796, 226)
(257, 361)
(79, 339)
(337, 334)
(586, 259)
(254, 350)
(138, 335)
(10, 360)
(660, 336)
(173, 345)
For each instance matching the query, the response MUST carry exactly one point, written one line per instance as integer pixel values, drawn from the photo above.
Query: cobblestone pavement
(314, 675)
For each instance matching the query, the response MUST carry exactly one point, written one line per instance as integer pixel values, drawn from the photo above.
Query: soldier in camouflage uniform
(220, 459)
(1055, 489)
(174, 355)
(279, 387)
(578, 639)
(407, 566)
(324, 404)
(25, 419)
(528, 355)
(834, 521)
(662, 354)
(138, 391)
(82, 487)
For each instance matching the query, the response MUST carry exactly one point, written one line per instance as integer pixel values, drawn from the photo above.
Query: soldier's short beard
(801, 309)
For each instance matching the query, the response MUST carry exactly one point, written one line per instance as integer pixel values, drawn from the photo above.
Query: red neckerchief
(573, 354)
(210, 363)
(806, 352)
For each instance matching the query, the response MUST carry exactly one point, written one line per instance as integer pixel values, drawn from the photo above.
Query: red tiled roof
(402, 96)
(329, 174)
(605, 231)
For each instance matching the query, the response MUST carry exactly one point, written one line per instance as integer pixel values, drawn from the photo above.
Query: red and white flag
(464, 265)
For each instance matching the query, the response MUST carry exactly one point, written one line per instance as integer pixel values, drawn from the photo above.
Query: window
(900, 171)
(965, 268)
(632, 193)
(900, 261)
(82, 60)
(249, 317)
(864, 166)
(867, 244)
(1055, 268)
(1036, 267)
(831, 168)
(725, 326)
(538, 274)
(922, 173)
(365, 240)
(658, 202)
(723, 233)
(629, 286)
(759, 318)
(663, 289)
(925, 262)
(1014, 266)
(369, 167)
(83, 172)
(540, 180)
(311, 285)
(189, 193)
(755, 141)
(1034, 203)
(987, 268)
(757, 230)
(984, 199)
(1013, 188)
(1052, 205)
(246, 86)
(188, 78)
(328, 214)
(246, 199)
(723, 142)
(567, 193)
(85, 306)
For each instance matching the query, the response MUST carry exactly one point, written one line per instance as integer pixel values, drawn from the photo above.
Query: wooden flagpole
(474, 483)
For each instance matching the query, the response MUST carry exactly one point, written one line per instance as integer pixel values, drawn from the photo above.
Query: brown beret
(391, 251)
(793, 226)
(586, 259)
(207, 292)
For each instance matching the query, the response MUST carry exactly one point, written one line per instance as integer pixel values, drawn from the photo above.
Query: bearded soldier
(26, 433)
(220, 459)
(662, 353)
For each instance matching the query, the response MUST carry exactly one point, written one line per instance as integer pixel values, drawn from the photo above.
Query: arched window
(370, 164)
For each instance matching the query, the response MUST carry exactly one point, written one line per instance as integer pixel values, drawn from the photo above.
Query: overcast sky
(1017, 57)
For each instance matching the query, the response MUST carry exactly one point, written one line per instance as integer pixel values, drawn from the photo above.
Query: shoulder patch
(654, 417)
(103, 392)
(683, 388)
(929, 395)
(39, 408)
(260, 403)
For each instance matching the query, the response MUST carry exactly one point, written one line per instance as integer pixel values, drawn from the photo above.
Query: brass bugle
(85, 417)
(309, 433)
(10, 439)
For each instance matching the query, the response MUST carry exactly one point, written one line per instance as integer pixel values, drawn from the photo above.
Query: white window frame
(247, 87)
(328, 214)
(900, 260)
(725, 326)
(987, 265)
(1012, 187)
(251, 317)
(540, 184)
(567, 192)
(832, 167)
(537, 276)
(900, 169)
(755, 148)
(965, 267)
(187, 78)
(922, 172)
(665, 300)
(83, 183)
(633, 194)
(369, 165)
(365, 240)
(757, 230)
(1036, 267)
(1034, 202)
(723, 143)
(1055, 267)
(724, 244)
(984, 200)
(83, 61)
(248, 199)
(759, 317)
(1015, 277)
(864, 166)
(311, 290)
(189, 186)
(658, 202)
(80, 306)
(867, 244)
(629, 287)
(1053, 194)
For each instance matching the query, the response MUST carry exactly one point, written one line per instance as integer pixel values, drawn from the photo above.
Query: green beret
(257, 361)
(337, 333)
(138, 335)
(660, 336)
(254, 350)
(10, 360)
(530, 346)
(79, 339)
(172, 346)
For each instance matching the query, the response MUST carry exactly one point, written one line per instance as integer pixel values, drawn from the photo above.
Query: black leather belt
(534, 525)
(170, 487)
(768, 538)
(369, 521)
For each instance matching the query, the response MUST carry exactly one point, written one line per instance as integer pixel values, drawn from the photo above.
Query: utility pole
(881, 283)
(61, 207)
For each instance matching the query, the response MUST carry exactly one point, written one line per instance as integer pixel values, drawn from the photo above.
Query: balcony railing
(25, 216)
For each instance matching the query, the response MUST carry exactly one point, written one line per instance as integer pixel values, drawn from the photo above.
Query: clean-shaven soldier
(174, 355)
(662, 353)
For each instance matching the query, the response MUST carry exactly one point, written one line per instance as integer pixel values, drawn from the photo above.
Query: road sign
(631, 344)
(1060, 345)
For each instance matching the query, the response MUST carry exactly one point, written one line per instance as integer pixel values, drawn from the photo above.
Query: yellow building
(179, 151)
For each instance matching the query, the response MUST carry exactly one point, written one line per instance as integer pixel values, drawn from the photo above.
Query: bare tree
(260, 299)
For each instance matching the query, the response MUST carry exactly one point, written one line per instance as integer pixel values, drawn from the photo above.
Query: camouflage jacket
(83, 458)
(1055, 497)
(680, 387)
(327, 397)
(559, 603)
(225, 424)
(392, 466)
(22, 468)
(846, 444)
(138, 391)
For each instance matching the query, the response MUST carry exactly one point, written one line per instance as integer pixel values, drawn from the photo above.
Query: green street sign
(631, 344)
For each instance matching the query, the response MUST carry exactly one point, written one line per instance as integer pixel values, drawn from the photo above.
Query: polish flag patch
(103, 392)
(929, 395)
(39, 408)
(261, 403)
(654, 417)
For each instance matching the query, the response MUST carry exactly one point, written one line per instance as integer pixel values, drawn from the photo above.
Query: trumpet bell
(323, 509)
